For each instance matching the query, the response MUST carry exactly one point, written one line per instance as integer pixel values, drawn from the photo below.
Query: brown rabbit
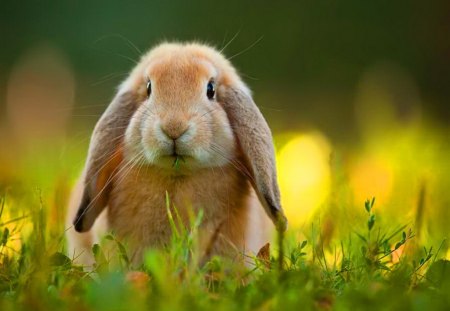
(185, 124)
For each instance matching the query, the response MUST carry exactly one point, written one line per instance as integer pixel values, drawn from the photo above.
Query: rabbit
(182, 126)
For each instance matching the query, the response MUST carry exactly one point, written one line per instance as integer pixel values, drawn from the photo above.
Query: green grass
(352, 273)
(373, 256)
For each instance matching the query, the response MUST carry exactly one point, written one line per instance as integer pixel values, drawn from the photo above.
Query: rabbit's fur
(210, 153)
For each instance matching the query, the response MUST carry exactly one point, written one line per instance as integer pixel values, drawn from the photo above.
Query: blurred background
(356, 93)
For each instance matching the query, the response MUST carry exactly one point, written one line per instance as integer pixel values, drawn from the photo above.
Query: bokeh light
(372, 177)
(40, 94)
(304, 175)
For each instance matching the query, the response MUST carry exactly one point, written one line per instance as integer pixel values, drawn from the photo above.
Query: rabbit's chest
(139, 202)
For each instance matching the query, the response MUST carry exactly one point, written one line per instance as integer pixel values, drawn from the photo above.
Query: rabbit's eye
(149, 88)
(210, 90)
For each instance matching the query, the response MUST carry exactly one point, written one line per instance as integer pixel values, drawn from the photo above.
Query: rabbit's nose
(174, 130)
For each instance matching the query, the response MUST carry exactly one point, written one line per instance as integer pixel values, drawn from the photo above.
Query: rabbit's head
(182, 108)
(180, 124)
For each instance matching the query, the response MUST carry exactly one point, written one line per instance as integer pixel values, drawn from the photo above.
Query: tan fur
(221, 194)
(80, 244)
(227, 167)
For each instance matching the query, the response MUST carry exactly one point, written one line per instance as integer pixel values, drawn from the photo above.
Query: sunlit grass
(340, 253)
(370, 267)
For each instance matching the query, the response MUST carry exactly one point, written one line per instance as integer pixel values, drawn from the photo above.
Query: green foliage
(361, 275)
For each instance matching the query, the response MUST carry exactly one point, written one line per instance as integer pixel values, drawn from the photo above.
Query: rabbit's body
(227, 201)
(223, 194)
(185, 125)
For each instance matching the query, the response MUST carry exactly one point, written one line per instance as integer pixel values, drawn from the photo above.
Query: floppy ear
(255, 139)
(104, 157)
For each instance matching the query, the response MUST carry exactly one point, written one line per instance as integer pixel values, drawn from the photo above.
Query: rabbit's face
(179, 124)
(182, 108)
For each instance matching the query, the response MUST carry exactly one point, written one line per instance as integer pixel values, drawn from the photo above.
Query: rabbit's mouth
(176, 163)
(176, 153)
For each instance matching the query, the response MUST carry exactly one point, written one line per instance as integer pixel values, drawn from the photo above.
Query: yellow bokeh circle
(304, 176)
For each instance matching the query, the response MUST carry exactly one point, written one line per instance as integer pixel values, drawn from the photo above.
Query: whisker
(142, 162)
(108, 182)
(224, 38)
(86, 115)
(229, 42)
(118, 55)
(78, 107)
(246, 49)
(270, 108)
(134, 163)
(117, 35)
(249, 77)
(111, 157)
(109, 77)
(209, 112)
(236, 163)
(228, 194)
